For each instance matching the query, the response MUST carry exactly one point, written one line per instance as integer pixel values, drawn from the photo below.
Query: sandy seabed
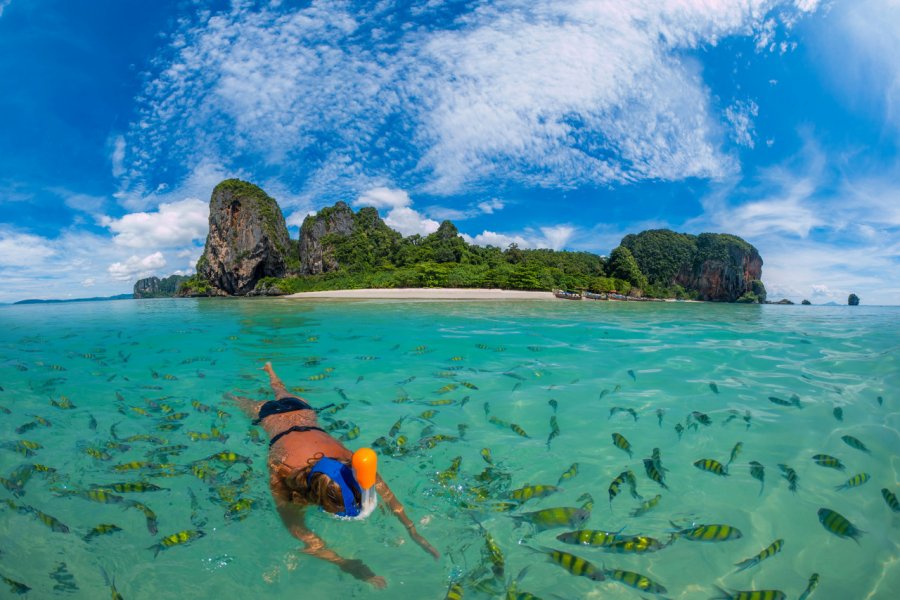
(428, 294)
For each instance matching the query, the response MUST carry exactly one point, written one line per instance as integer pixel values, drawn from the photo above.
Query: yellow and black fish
(591, 537)
(734, 453)
(855, 443)
(770, 550)
(891, 499)
(855, 481)
(837, 524)
(102, 529)
(635, 580)
(177, 539)
(620, 442)
(653, 472)
(791, 475)
(813, 582)
(711, 466)
(576, 565)
(569, 473)
(646, 506)
(454, 592)
(549, 518)
(616, 485)
(554, 430)
(15, 586)
(826, 460)
(636, 544)
(750, 595)
(709, 533)
(50, 521)
(239, 509)
(528, 492)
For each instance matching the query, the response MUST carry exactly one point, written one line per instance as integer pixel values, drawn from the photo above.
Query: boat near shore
(567, 294)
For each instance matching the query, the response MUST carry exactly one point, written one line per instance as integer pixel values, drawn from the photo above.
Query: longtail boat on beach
(567, 295)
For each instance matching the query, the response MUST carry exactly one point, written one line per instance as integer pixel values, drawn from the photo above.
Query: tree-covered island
(248, 252)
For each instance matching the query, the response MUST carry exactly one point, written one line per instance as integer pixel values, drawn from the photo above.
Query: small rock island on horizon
(249, 252)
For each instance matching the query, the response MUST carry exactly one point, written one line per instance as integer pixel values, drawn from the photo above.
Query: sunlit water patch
(101, 396)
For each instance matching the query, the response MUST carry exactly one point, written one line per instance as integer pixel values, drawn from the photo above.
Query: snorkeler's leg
(292, 517)
(278, 386)
(388, 496)
(248, 406)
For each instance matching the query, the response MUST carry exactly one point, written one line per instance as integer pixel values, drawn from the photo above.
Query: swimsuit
(286, 405)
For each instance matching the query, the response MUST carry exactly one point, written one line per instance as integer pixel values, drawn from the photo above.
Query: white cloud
(557, 236)
(22, 249)
(296, 218)
(136, 267)
(173, 224)
(382, 197)
(490, 206)
(409, 222)
(117, 158)
(3, 5)
(89, 282)
(740, 115)
(545, 93)
(500, 240)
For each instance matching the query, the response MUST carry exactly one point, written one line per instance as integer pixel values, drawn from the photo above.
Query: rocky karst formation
(719, 266)
(154, 287)
(248, 240)
(317, 256)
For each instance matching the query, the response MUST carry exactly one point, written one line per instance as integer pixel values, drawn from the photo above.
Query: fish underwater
(770, 550)
(550, 518)
(709, 533)
(837, 524)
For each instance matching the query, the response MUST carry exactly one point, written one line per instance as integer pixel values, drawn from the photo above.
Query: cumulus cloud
(382, 197)
(137, 267)
(500, 240)
(409, 222)
(22, 249)
(545, 93)
(555, 237)
(173, 224)
(490, 206)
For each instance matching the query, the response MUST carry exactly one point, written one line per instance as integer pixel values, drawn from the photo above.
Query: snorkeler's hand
(424, 544)
(360, 570)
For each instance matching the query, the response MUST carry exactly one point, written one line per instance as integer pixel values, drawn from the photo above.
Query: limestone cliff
(717, 266)
(317, 256)
(248, 240)
(154, 287)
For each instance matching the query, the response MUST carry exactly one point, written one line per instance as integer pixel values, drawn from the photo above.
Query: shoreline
(425, 294)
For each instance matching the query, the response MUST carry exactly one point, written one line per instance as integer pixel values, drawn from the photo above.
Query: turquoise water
(166, 357)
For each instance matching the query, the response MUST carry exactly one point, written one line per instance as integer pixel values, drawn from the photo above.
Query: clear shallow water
(103, 357)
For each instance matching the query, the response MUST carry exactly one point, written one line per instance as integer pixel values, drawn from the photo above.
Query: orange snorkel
(365, 467)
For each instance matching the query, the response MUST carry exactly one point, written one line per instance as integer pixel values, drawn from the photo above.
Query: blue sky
(563, 124)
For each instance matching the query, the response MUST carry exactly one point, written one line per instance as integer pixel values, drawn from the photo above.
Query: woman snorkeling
(307, 466)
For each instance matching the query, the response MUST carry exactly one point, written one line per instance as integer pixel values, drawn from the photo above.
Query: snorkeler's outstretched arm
(385, 492)
(248, 406)
(292, 516)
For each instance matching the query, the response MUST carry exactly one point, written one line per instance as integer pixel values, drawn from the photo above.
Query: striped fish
(637, 544)
(454, 592)
(838, 525)
(826, 460)
(569, 473)
(620, 442)
(528, 492)
(554, 430)
(855, 443)
(855, 481)
(646, 506)
(813, 582)
(177, 539)
(14, 586)
(653, 473)
(772, 549)
(712, 466)
(635, 580)
(549, 518)
(591, 537)
(758, 472)
(891, 499)
(791, 475)
(576, 565)
(709, 533)
(749, 595)
(616, 485)
(734, 453)
(102, 529)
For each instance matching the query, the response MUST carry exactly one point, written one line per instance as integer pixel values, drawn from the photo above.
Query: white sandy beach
(428, 294)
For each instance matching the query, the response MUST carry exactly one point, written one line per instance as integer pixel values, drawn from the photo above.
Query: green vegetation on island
(342, 249)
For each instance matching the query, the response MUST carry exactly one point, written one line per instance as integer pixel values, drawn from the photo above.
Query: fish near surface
(837, 524)
(548, 518)
(749, 595)
(709, 533)
(711, 465)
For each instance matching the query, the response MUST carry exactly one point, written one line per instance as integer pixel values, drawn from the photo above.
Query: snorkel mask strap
(343, 476)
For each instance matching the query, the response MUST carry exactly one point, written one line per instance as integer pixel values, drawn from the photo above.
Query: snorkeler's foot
(378, 582)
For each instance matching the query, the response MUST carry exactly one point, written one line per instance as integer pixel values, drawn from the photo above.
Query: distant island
(95, 299)
(249, 252)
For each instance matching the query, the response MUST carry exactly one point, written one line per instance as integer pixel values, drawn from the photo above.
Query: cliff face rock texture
(718, 266)
(317, 255)
(248, 239)
(154, 287)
